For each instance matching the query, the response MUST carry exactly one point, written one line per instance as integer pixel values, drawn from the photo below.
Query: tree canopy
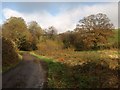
(15, 27)
(95, 29)
(35, 29)
(91, 32)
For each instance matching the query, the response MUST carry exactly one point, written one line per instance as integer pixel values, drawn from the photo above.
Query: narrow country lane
(28, 74)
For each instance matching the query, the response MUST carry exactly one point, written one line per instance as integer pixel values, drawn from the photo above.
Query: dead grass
(72, 58)
(84, 69)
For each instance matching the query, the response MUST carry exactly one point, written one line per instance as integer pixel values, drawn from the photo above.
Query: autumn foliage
(9, 54)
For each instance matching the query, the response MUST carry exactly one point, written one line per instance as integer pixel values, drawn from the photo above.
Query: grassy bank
(94, 72)
(73, 58)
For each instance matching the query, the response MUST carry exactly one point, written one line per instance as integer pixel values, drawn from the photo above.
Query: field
(84, 69)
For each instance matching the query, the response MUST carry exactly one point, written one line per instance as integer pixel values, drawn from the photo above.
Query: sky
(62, 15)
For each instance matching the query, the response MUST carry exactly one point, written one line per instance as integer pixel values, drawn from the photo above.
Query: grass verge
(56, 72)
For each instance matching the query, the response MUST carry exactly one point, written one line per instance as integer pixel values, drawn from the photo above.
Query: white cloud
(9, 12)
(68, 18)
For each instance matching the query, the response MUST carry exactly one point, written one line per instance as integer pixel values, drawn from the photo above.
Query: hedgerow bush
(9, 54)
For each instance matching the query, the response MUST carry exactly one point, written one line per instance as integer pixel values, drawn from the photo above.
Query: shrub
(9, 54)
(24, 44)
(49, 45)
